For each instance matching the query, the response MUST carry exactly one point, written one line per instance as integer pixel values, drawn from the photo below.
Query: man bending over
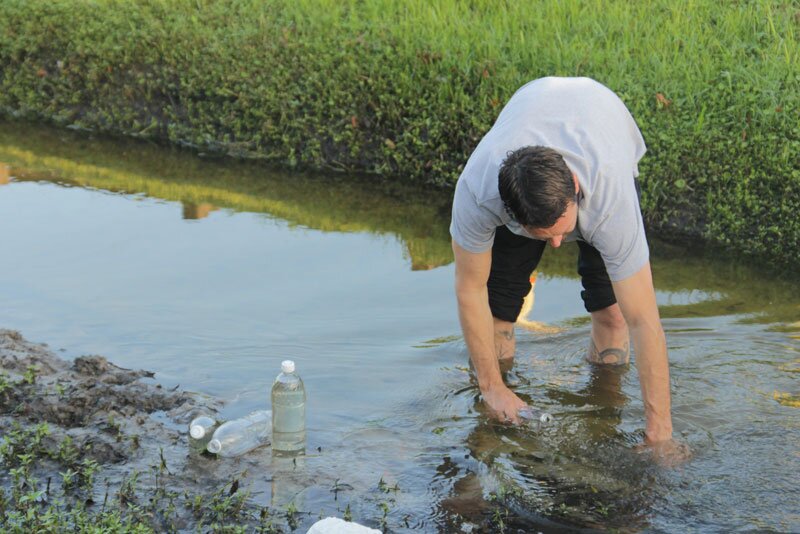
(559, 165)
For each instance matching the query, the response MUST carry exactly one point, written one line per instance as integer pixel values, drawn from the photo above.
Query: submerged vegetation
(406, 89)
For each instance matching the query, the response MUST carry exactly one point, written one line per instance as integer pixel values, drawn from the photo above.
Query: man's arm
(472, 274)
(637, 300)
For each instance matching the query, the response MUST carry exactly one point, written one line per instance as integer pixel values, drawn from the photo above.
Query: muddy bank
(85, 444)
(106, 410)
(103, 445)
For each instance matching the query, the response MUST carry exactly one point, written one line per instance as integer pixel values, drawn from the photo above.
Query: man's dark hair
(536, 186)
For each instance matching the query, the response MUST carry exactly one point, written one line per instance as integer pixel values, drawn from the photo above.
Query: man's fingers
(506, 418)
(512, 419)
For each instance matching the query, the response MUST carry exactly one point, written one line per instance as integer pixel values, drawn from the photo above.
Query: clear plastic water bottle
(239, 436)
(289, 411)
(533, 417)
(200, 430)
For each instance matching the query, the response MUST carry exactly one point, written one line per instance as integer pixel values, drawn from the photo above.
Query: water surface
(210, 272)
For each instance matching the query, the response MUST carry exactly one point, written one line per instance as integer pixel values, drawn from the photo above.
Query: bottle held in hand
(533, 417)
(289, 411)
(239, 436)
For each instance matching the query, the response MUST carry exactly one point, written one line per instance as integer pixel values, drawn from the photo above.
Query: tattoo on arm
(508, 334)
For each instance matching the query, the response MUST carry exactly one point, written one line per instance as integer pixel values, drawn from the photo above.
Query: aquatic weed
(29, 377)
(384, 519)
(86, 472)
(5, 384)
(291, 515)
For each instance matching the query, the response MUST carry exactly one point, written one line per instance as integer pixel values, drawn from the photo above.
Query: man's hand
(503, 404)
(667, 453)
(477, 323)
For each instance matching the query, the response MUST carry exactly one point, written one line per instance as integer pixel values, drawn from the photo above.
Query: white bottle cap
(197, 431)
(214, 446)
(287, 366)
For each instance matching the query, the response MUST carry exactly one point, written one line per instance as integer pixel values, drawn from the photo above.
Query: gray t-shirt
(594, 132)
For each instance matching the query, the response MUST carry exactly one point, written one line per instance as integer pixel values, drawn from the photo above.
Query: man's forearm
(653, 367)
(478, 327)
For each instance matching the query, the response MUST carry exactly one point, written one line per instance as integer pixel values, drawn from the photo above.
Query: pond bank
(86, 444)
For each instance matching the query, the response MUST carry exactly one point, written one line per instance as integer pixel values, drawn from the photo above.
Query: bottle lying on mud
(533, 417)
(289, 411)
(200, 430)
(239, 436)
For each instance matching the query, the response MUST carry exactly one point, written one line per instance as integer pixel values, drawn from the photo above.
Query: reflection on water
(337, 204)
(193, 211)
(263, 265)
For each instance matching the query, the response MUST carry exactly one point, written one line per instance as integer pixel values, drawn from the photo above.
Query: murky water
(211, 272)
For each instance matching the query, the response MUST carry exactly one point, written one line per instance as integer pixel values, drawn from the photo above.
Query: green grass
(406, 89)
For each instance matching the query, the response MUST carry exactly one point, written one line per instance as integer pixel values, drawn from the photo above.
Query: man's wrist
(656, 432)
(488, 385)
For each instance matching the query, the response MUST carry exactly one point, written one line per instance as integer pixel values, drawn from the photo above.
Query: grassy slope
(407, 88)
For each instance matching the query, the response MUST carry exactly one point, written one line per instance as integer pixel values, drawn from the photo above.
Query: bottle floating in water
(533, 417)
(289, 411)
(239, 436)
(200, 430)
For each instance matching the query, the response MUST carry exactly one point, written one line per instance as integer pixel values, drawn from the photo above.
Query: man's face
(564, 225)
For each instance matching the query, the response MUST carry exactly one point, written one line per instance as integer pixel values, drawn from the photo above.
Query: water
(289, 407)
(211, 272)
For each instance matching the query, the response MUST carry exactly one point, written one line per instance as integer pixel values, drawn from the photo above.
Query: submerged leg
(505, 343)
(610, 344)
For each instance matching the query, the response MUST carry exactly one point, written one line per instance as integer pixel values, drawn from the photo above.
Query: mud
(120, 418)
(91, 400)
(135, 431)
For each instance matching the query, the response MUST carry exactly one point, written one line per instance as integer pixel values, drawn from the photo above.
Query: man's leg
(514, 258)
(505, 343)
(609, 343)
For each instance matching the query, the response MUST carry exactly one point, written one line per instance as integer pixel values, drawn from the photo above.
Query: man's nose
(555, 242)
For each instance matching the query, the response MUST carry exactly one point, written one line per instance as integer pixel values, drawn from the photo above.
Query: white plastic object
(334, 525)
(287, 366)
(532, 415)
(239, 436)
(200, 426)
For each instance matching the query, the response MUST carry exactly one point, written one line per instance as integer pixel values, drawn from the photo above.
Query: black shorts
(515, 257)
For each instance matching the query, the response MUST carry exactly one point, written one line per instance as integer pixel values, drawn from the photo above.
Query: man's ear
(575, 179)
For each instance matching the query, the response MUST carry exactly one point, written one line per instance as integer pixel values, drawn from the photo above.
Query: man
(558, 165)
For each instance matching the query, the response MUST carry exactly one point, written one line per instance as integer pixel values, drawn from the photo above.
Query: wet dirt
(92, 401)
(121, 418)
